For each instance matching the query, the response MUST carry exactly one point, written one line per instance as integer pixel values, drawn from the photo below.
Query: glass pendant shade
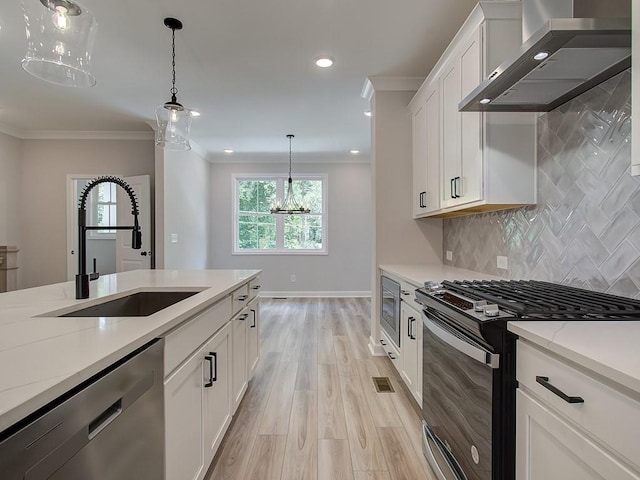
(60, 38)
(173, 121)
(173, 125)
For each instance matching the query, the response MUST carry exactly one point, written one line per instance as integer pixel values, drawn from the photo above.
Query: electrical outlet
(293, 278)
(174, 238)
(449, 255)
(502, 262)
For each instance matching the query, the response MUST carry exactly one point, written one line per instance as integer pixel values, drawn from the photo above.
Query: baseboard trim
(352, 294)
(375, 348)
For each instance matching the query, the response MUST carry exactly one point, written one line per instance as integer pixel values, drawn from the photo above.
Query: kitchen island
(43, 356)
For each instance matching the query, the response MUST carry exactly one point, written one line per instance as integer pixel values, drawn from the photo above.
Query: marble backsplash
(585, 229)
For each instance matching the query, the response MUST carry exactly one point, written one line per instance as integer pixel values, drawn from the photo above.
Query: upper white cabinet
(467, 162)
(635, 89)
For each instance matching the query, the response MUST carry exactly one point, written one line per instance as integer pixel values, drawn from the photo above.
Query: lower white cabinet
(253, 337)
(209, 361)
(197, 408)
(239, 357)
(411, 350)
(571, 424)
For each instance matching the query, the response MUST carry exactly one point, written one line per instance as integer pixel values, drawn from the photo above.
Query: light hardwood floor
(311, 410)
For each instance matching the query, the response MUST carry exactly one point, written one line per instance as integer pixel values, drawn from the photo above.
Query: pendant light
(173, 120)
(290, 204)
(60, 36)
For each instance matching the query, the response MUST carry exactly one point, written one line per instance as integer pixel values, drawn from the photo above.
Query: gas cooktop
(531, 300)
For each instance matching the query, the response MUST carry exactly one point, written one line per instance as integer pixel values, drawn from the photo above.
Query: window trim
(279, 229)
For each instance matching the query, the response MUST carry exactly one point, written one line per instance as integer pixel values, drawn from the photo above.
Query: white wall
(43, 187)
(346, 269)
(182, 208)
(10, 155)
(399, 239)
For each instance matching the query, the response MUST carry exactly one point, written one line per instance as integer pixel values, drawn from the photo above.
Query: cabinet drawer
(606, 414)
(180, 343)
(254, 288)
(240, 298)
(408, 294)
(392, 352)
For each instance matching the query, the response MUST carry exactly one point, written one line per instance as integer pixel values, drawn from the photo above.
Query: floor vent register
(383, 384)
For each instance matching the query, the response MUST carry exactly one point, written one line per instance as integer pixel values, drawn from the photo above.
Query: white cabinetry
(253, 337)
(239, 357)
(570, 424)
(197, 408)
(411, 350)
(484, 161)
(425, 111)
(208, 363)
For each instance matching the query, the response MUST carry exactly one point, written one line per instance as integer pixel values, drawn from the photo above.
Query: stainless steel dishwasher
(110, 427)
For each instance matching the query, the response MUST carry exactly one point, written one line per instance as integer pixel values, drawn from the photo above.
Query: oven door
(458, 377)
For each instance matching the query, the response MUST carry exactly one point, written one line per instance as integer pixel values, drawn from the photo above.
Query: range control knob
(479, 305)
(491, 310)
(433, 287)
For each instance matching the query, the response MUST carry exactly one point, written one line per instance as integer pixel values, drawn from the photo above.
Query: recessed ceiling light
(228, 150)
(540, 56)
(355, 152)
(367, 113)
(194, 113)
(324, 62)
(484, 101)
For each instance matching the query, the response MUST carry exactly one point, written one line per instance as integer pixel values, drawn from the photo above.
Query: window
(102, 209)
(256, 230)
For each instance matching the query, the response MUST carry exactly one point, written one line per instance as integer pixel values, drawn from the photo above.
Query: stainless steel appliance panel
(109, 428)
(457, 401)
(390, 309)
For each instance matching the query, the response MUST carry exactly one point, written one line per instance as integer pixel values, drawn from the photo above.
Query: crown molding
(280, 158)
(72, 135)
(383, 83)
(11, 130)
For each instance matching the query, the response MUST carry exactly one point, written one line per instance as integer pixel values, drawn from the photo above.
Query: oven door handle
(473, 351)
(451, 465)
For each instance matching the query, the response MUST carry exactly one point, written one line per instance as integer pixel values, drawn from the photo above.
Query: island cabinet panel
(572, 424)
(253, 337)
(208, 362)
(217, 401)
(239, 357)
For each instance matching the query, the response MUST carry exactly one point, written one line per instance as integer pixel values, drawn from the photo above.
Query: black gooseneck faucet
(82, 278)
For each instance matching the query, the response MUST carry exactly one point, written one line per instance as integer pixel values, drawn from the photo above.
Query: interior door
(126, 257)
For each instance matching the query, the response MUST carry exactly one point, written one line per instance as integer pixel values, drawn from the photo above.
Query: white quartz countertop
(43, 356)
(436, 272)
(606, 348)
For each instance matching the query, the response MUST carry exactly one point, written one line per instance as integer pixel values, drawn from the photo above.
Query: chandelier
(173, 120)
(60, 36)
(290, 204)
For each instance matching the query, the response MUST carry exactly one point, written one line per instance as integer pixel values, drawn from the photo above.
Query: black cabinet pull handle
(452, 188)
(404, 292)
(256, 287)
(213, 370)
(391, 356)
(243, 317)
(456, 182)
(254, 318)
(242, 298)
(544, 381)
(382, 343)
(410, 328)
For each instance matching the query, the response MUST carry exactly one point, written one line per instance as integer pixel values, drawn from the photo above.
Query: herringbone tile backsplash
(585, 229)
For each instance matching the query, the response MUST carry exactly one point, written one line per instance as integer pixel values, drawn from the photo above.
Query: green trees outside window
(259, 231)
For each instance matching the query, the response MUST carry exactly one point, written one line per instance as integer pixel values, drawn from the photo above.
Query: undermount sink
(141, 304)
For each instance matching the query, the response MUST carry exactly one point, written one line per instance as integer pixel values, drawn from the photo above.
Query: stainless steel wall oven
(390, 309)
(469, 384)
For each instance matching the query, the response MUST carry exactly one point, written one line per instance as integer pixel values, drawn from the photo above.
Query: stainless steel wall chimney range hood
(570, 46)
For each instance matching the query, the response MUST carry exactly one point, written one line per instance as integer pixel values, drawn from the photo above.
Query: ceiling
(247, 66)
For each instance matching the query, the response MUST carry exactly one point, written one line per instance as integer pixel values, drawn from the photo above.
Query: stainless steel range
(469, 383)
